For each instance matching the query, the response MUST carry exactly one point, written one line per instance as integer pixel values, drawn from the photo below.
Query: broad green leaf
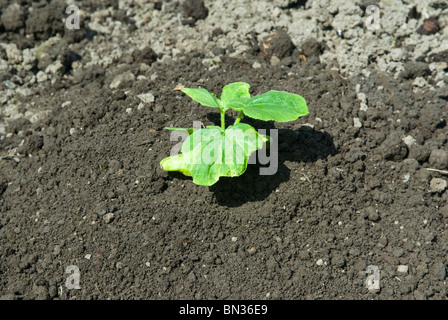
(211, 153)
(202, 96)
(187, 130)
(276, 105)
(235, 94)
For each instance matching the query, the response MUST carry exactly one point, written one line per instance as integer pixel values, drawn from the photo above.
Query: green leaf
(235, 94)
(202, 96)
(187, 130)
(211, 153)
(276, 105)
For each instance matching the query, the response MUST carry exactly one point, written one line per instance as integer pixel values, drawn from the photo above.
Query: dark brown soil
(88, 191)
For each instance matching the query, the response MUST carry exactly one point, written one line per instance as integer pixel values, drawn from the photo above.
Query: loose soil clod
(430, 26)
(361, 181)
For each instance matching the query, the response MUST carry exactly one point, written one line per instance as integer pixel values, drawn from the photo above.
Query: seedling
(213, 152)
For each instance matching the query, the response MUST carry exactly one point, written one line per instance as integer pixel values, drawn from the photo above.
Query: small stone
(146, 97)
(29, 58)
(414, 69)
(444, 212)
(278, 44)
(438, 185)
(9, 85)
(429, 26)
(122, 80)
(194, 9)
(382, 242)
(320, 262)
(234, 239)
(419, 82)
(393, 148)
(357, 123)
(252, 250)
(108, 218)
(438, 66)
(256, 65)
(372, 214)
(402, 269)
(88, 256)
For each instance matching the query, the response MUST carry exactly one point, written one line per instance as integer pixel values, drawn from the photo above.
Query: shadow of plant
(303, 145)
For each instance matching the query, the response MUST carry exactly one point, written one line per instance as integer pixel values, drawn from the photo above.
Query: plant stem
(240, 116)
(223, 120)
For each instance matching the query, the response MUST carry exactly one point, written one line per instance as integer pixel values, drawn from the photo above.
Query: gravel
(123, 47)
(108, 217)
(122, 80)
(438, 159)
(402, 269)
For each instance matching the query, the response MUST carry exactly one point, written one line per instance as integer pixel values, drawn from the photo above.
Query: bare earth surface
(82, 114)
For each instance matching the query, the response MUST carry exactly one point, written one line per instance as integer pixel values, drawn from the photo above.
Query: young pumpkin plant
(213, 152)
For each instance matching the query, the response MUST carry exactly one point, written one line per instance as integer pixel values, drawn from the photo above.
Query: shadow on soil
(294, 145)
